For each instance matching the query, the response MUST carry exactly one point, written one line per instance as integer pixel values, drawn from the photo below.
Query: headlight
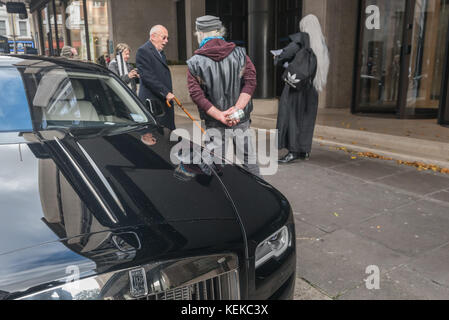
(273, 246)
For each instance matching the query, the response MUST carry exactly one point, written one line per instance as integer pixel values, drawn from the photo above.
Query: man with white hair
(221, 81)
(155, 78)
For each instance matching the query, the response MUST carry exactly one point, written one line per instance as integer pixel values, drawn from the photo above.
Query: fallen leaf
(336, 214)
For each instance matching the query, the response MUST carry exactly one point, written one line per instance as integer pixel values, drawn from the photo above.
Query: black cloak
(297, 108)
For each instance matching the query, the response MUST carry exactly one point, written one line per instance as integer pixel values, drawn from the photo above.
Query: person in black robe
(298, 108)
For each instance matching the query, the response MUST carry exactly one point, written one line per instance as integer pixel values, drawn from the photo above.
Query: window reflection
(14, 111)
(98, 27)
(46, 31)
(380, 64)
(76, 27)
(430, 25)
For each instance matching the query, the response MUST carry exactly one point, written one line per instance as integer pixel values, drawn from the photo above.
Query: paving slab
(399, 284)
(375, 196)
(411, 230)
(297, 183)
(371, 170)
(328, 157)
(331, 213)
(434, 264)
(306, 231)
(338, 262)
(418, 182)
(442, 196)
(304, 291)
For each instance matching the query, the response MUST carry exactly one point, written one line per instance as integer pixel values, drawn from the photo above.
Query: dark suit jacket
(155, 80)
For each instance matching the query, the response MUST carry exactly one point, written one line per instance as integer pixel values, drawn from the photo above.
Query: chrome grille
(223, 287)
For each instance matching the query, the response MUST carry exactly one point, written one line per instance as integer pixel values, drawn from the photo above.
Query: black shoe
(291, 156)
(304, 156)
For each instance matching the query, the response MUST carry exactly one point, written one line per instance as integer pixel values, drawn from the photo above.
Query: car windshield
(66, 99)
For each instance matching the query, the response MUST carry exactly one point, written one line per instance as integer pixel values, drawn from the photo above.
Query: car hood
(110, 200)
(89, 182)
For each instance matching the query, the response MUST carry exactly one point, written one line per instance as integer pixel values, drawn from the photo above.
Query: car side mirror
(155, 108)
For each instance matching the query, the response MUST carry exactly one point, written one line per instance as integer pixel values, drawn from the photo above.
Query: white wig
(311, 25)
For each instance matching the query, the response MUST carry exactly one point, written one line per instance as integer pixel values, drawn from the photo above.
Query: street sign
(16, 7)
(21, 45)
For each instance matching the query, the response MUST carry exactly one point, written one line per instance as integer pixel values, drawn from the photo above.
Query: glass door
(401, 65)
(427, 58)
(379, 61)
(443, 117)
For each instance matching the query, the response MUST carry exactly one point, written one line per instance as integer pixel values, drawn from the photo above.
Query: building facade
(387, 56)
(19, 32)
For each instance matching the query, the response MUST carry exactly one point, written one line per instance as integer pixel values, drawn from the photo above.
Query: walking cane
(186, 112)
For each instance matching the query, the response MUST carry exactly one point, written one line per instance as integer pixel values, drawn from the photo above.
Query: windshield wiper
(92, 132)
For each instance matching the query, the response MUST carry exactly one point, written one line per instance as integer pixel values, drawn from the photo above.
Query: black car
(92, 207)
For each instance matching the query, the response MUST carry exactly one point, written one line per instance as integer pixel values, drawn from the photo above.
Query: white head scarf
(311, 25)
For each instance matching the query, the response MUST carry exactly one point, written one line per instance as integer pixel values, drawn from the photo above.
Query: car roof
(39, 61)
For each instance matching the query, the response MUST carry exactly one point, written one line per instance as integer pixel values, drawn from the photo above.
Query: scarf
(206, 40)
(122, 67)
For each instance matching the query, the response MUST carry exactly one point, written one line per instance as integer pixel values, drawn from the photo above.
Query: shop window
(76, 27)
(97, 12)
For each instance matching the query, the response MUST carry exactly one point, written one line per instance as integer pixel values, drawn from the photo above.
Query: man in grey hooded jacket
(221, 81)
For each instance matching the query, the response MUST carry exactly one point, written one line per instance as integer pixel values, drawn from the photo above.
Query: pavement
(353, 212)
(418, 140)
(412, 140)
